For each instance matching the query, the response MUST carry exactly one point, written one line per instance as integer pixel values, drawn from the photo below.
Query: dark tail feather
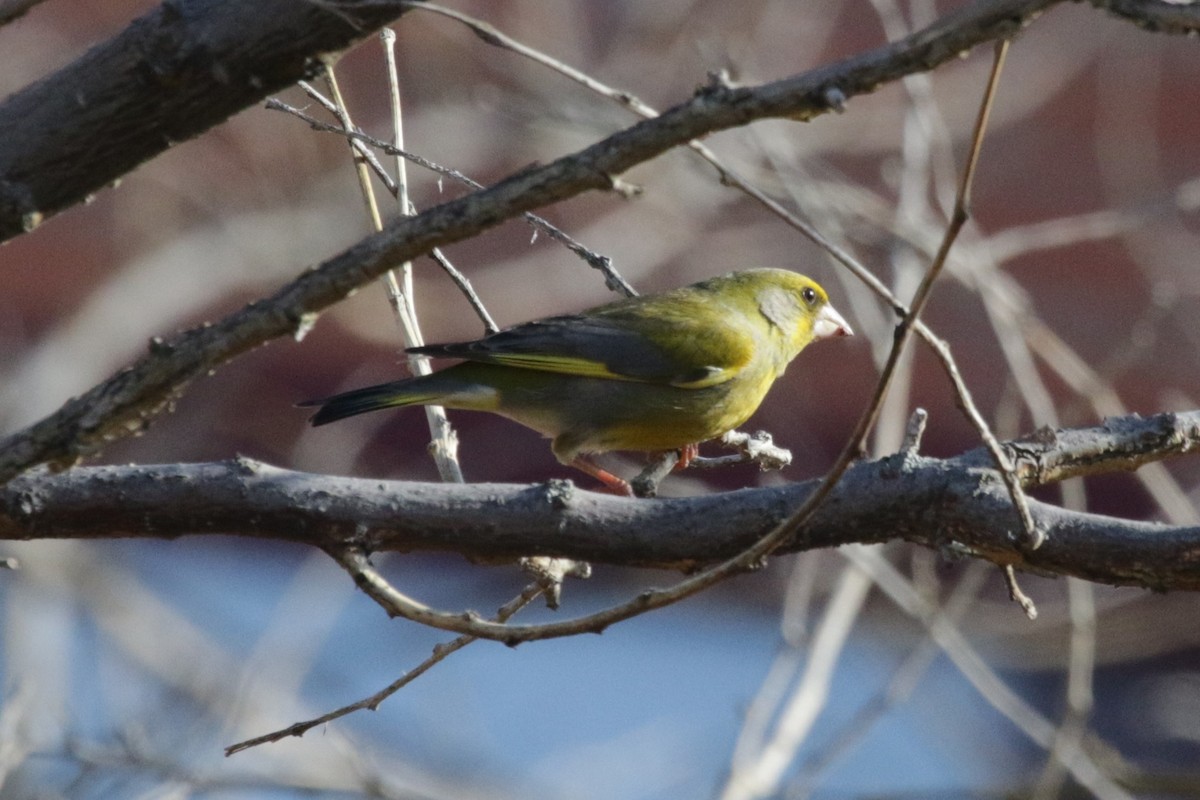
(360, 401)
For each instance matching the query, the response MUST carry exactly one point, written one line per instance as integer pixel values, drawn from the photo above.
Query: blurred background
(128, 666)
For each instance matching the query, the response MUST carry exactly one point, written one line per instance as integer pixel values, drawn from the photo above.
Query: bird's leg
(611, 482)
(686, 454)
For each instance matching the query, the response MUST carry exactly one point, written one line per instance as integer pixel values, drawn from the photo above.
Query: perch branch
(956, 505)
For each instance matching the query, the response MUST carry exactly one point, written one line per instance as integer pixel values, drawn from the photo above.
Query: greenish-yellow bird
(651, 373)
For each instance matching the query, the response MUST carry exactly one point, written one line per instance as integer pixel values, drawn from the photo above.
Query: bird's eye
(809, 295)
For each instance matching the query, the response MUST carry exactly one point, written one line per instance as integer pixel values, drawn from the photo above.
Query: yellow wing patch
(562, 364)
(585, 368)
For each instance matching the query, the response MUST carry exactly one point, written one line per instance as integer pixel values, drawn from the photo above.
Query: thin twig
(464, 286)
(612, 278)
(443, 439)
(360, 142)
(439, 654)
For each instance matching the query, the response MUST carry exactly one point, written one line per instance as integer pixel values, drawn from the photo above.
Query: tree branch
(958, 505)
(126, 402)
(1159, 16)
(171, 75)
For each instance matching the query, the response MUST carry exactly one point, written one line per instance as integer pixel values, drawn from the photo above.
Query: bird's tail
(372, 398)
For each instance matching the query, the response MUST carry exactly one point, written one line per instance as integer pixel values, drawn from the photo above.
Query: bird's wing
(619, 343)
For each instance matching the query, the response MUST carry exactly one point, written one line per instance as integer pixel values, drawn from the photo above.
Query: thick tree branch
(958, 505)
(171, 75)
(126, 402)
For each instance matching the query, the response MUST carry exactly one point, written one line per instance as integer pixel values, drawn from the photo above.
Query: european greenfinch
(652, 373)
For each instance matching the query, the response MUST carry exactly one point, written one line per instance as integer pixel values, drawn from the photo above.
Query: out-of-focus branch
(126, 402)
(14, 9)
(1155, 15)
(171, 75)
(440, 653)
(957, 505)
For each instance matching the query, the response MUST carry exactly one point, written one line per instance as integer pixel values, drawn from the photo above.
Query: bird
(652, 373)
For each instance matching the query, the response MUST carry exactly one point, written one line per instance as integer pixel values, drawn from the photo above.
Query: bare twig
(365, 141)
(959, 218)
(758, 448)
(753, 448)
(439, 654)
(914, 431)
(1014, 589)
(645, 484)
(443, 438)
(444, 443)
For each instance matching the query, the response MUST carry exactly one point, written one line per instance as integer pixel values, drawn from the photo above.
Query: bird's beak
(829, 323)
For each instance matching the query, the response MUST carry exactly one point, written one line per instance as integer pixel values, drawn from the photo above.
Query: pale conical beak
(829, 323)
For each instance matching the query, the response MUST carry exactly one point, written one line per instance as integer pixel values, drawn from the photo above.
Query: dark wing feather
(633, 341)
